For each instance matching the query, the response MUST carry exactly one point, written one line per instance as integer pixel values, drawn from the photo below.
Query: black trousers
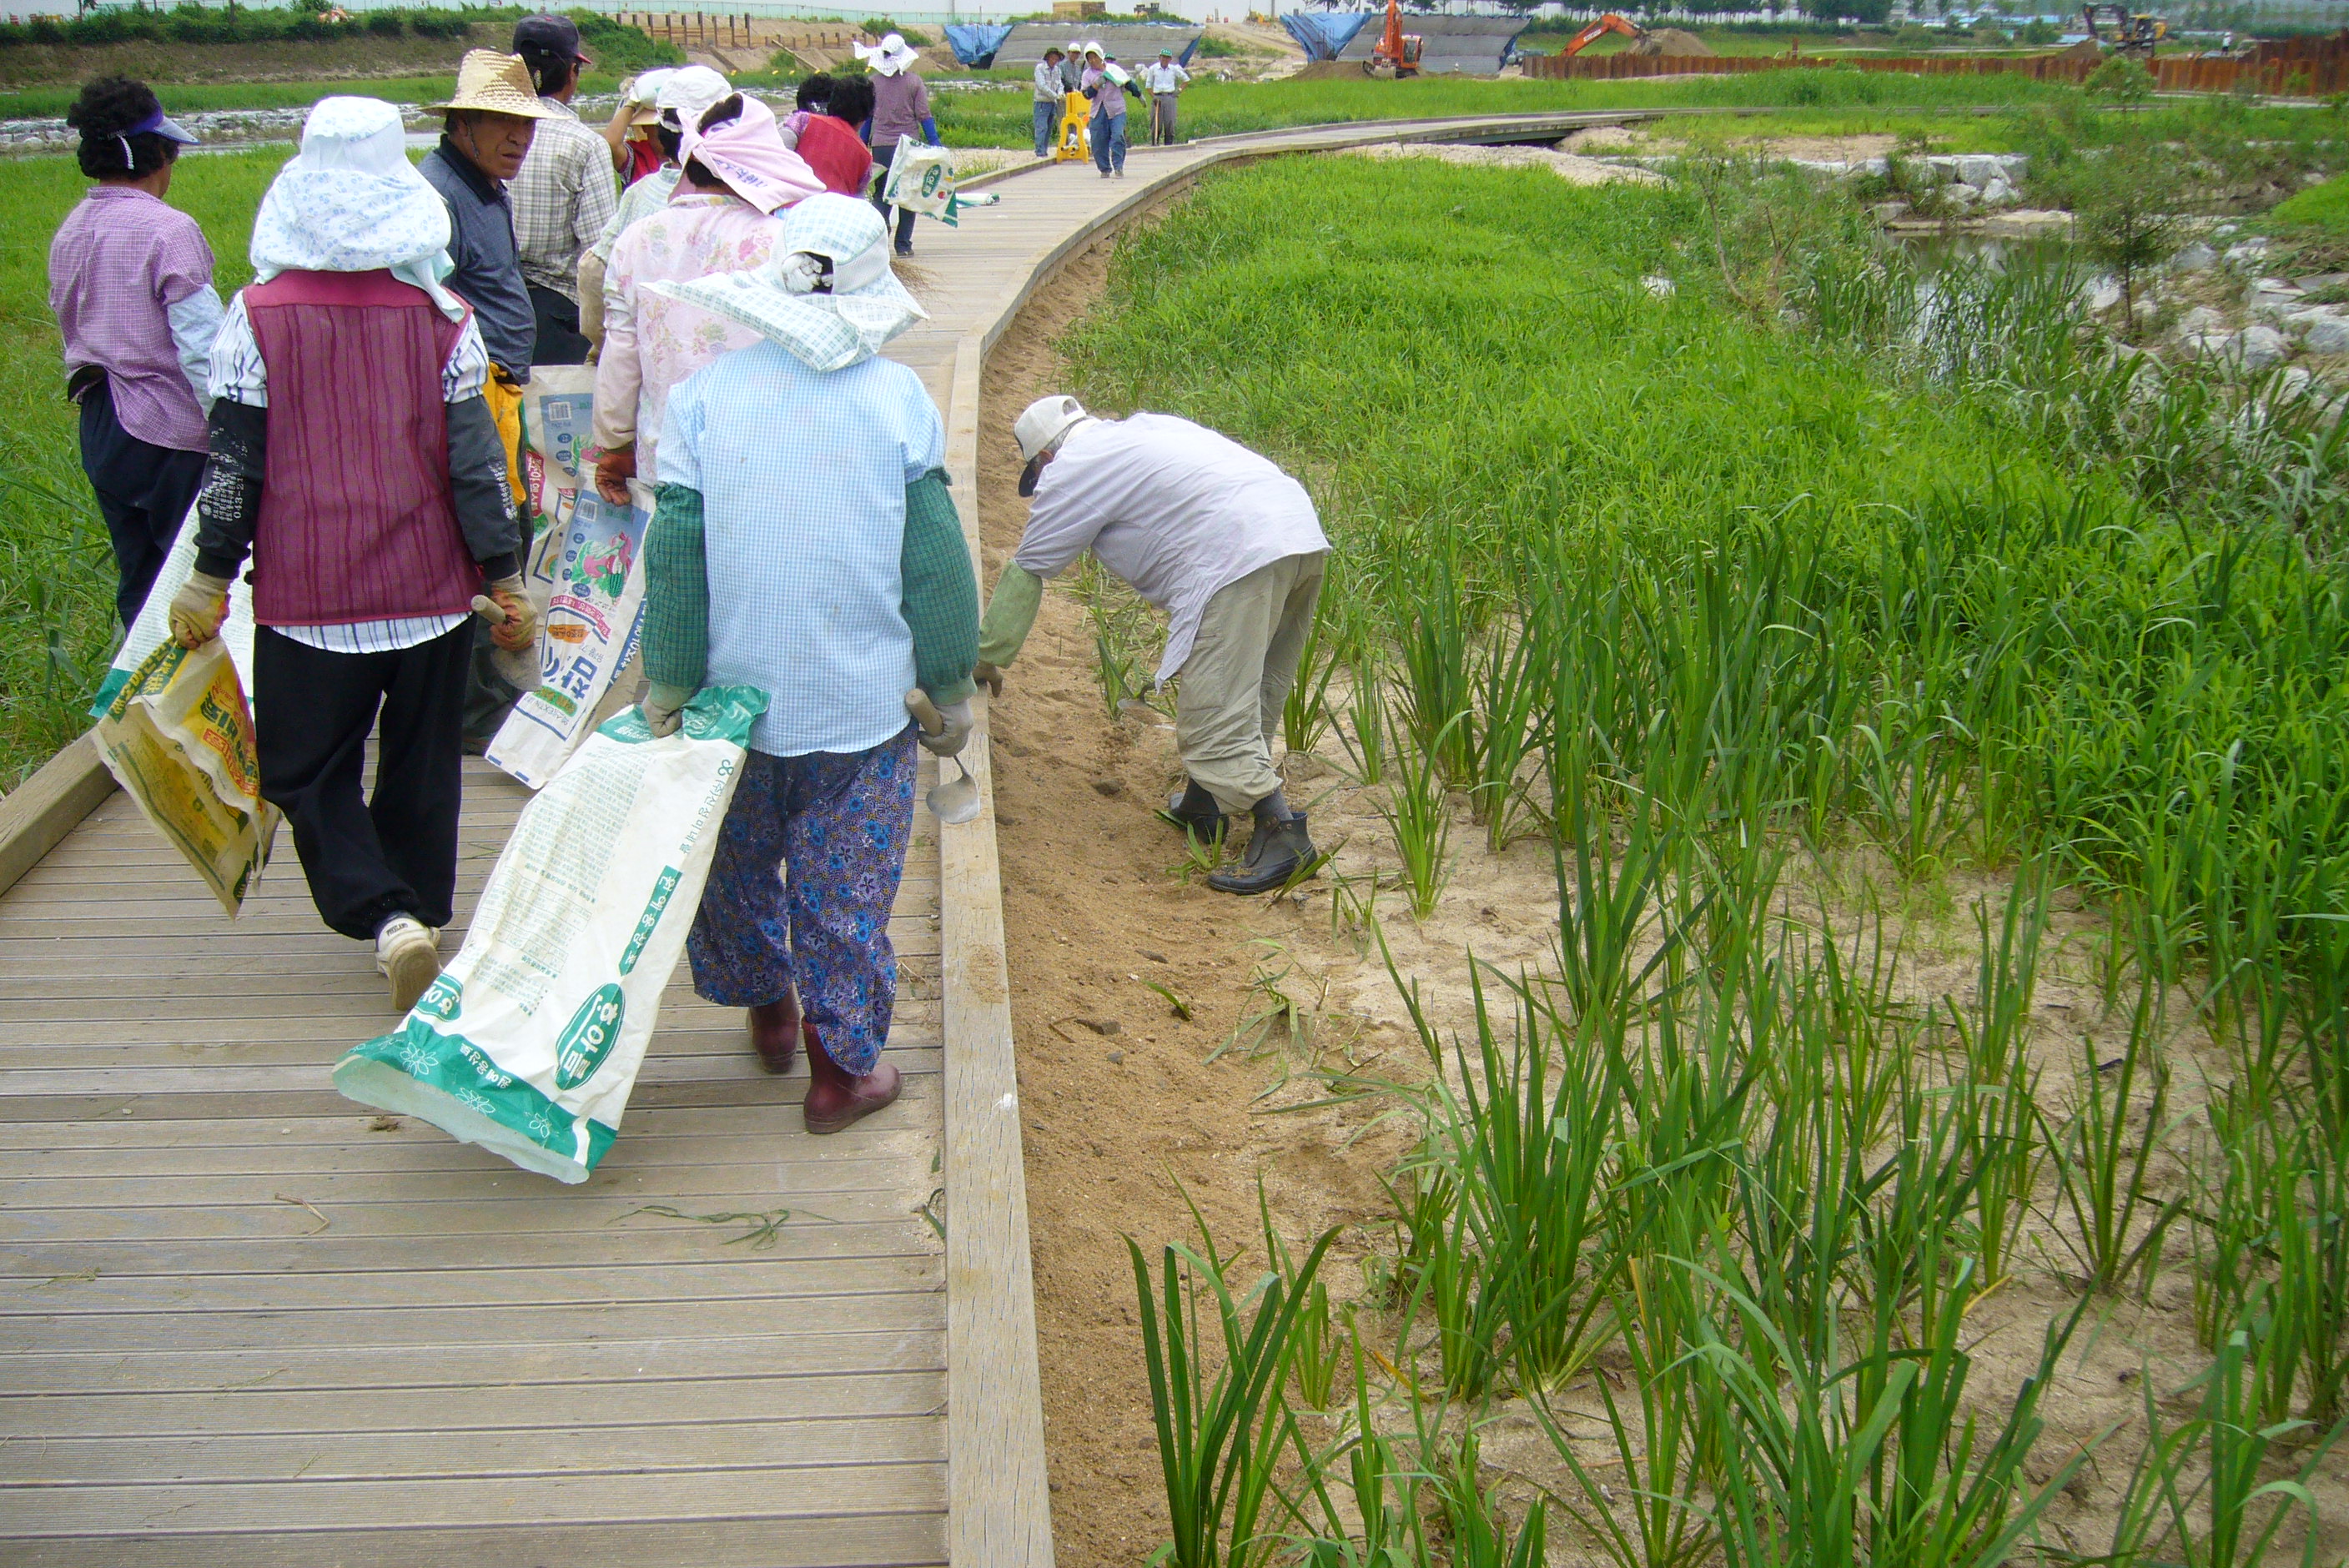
(367, 859)
(560, 341)
(144, 491)
(882, 157)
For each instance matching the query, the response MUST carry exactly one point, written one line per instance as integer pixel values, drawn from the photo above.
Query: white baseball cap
(1041, 427)
(689, 94)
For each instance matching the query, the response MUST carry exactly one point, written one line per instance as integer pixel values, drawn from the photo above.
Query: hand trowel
(953, 802)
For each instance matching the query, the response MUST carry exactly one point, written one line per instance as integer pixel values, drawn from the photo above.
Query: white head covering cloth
(890, 55)
(350, 202)
(689, 94)
(867, 306)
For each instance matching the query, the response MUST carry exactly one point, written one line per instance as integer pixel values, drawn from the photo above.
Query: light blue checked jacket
(803, 477)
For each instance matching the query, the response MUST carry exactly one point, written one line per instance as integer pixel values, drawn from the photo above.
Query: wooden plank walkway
(243, 1321)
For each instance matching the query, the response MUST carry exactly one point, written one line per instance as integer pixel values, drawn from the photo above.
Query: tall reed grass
(1817, 560)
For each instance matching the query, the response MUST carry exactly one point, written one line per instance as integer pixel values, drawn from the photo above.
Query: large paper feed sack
(177, 737)
(529, 1042)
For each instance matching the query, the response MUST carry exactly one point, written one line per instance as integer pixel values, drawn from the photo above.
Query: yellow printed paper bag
(177, 737)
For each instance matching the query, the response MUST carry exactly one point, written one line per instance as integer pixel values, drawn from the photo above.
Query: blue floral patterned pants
(807, 867)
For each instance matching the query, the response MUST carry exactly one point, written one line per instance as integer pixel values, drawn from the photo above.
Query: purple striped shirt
(121, 261)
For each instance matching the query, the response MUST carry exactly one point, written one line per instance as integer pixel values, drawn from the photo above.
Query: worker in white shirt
(1162, 81)
(1230, 548)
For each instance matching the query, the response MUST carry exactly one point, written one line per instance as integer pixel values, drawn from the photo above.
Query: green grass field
(1751, 605)
(2321, 209)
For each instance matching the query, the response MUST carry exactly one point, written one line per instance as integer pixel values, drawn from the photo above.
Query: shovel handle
(925, 712)
(489, 610)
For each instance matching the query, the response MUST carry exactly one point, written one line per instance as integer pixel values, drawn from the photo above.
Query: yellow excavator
(2123, 32)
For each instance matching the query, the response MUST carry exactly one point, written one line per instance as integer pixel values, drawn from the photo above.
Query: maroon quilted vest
(356, 523)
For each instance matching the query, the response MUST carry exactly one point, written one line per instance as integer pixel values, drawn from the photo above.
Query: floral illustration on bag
(603, 564)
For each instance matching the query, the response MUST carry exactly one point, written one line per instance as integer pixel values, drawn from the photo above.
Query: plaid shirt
(562, 199)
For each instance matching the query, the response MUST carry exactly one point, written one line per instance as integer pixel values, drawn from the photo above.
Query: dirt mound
(2086, 49)
(1670, 41)
(1329, 70)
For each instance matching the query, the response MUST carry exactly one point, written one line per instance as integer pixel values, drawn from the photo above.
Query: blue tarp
(1321, 33)
(975, 43)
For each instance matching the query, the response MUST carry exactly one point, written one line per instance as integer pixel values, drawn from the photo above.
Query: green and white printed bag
(530, 1041)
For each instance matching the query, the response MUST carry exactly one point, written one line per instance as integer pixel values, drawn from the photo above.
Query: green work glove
(198, 609)
(661, 706)
(987, 675)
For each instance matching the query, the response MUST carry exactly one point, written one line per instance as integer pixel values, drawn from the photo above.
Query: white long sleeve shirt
(1162, 78)
(1173, 507)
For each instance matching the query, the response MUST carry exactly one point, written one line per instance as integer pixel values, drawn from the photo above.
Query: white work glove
(198, 609)
(661, 706)
(943, 731)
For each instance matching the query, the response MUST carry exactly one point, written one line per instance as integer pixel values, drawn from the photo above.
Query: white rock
(1889, 212)
(2326, 335)
(2197, 257)
(2200, 319)
(2247, 253)
(1978, 172)
(1960, 195)
(2271, 303)
(2290, 383)
(2256, 348)
(2223, 230)
(1661, 287)
(2102, 295)
(1999, 193)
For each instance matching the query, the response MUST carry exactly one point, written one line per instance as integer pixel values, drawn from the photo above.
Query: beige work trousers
(1236, 678)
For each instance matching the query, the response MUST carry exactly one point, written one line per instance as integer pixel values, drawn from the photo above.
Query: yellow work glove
(512, 618)
(198, 609)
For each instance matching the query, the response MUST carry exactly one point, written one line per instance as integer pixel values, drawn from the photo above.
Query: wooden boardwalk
(244, 1321)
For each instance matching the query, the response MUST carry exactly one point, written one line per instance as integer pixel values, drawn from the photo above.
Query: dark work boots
(838, 1097)
(775, 1032)
(1196, 812)
(1277, 851)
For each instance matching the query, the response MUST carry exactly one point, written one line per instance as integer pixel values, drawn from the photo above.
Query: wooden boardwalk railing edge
(36, 815)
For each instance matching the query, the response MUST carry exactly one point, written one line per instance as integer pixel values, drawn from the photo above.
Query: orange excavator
(1397, 52)
(1610, 23)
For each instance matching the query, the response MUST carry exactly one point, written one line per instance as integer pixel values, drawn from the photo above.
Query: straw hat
(495, 84)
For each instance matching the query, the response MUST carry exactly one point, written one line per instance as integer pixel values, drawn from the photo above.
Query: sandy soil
(1634, 138)
(1129, 1114)
(1570, 167)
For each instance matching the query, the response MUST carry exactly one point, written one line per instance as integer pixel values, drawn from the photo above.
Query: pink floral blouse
(651, 343)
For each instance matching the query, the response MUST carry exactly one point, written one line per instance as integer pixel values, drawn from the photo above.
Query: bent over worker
(804, 541)
(1227, 544)
(353, 459)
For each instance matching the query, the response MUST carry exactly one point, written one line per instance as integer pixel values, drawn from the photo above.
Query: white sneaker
(406, 952)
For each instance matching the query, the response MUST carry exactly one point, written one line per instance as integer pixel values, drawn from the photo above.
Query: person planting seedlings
(1230, 548)
(371, 536)
(804, 542)
(130, 281)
